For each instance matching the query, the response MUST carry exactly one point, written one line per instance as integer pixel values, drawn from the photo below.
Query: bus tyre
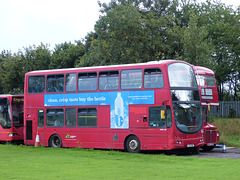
(133, 144)
(55, 141)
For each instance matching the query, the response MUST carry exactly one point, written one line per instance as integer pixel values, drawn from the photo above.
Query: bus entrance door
(29, 130)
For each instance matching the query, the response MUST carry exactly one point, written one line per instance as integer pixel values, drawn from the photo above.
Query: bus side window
(109, 80)
(87, 81)
(153, 78)
(156, 120)
(55, 118)
(55, 83)
(169, 117)
(131, 79)
(87, 117)
(70, 116)
(40, 118)
(36, 84)
(71, 83)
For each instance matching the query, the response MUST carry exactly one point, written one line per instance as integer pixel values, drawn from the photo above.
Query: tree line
(132, 31)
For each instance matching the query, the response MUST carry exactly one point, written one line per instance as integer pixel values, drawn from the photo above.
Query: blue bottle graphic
(119, 110)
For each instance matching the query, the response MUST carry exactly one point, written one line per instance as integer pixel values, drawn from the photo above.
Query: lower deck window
(55, 118)
(87, 117)
(40, 118)
(70, 117)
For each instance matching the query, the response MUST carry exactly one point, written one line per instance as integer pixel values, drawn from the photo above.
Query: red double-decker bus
(147, 106)
(11, 118)
(209, 97)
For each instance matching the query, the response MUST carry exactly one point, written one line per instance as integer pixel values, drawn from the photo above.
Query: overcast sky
(27, 22)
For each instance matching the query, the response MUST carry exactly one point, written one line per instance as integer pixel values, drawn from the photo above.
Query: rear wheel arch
(55, 141)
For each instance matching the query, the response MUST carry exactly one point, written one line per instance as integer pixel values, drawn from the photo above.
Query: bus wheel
(55, 141)
(133, 144)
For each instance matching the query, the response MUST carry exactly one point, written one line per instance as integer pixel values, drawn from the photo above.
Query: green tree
(118, 36)
(35, 57)
(222, 23)
(197, 48)
(130, 32)
(12, 78)
(66, 55)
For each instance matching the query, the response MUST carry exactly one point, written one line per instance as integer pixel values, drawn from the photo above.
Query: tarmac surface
(230, 153)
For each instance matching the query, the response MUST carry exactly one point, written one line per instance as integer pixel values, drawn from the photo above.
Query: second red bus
(209, 97)
(11, 118)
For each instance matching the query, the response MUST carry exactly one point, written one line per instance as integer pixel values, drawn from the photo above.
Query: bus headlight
(12, 134)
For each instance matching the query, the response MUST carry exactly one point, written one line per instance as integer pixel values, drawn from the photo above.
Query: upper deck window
(200, 80)
(71, 82)
(55, 83)
(210, 80)
(109, 80)
(87, 81)
(36, 84)
(153, 78)
(181, 75)
(131, 79)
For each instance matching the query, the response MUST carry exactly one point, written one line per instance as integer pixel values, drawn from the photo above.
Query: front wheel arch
(132, 144)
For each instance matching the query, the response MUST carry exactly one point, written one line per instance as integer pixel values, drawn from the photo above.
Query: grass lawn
(27, 162)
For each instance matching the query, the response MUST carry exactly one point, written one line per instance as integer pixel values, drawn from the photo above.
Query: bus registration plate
(190, 145)
(210, 144)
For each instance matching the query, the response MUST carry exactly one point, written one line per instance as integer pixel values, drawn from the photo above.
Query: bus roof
(199, 70)
(10, 95)
(107, 66)
(5, 95)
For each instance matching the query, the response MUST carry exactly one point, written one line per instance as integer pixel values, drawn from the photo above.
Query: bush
(229, 131)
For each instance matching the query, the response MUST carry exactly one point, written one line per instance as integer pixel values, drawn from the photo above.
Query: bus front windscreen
(185, 98)
(188, 117)
(5, 113)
